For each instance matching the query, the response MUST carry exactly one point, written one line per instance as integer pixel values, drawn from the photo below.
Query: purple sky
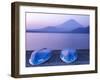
(40, 20)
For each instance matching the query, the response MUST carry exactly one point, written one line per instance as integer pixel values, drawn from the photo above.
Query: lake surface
(56, 41)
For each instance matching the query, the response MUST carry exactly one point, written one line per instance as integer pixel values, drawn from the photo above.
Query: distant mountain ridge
(81, 30)
(70, 26)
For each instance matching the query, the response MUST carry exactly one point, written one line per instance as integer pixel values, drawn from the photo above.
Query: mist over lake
(56, 41)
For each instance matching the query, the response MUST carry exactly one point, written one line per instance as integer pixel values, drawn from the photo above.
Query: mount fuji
(70, 26)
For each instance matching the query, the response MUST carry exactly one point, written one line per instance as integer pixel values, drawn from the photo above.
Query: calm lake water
(56, 41)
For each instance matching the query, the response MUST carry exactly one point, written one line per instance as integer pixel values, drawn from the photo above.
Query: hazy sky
(40, 20)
